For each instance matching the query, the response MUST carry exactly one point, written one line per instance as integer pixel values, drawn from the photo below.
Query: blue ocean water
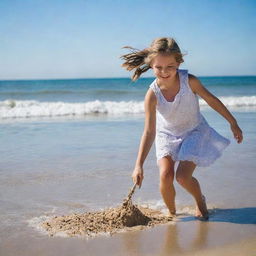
(82, 90)
(80, 97)
(70, 146)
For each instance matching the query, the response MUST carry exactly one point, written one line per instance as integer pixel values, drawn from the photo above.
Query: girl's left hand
(238, 134)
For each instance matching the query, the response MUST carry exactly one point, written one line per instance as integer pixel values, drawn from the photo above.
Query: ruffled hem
(201, 161)
(203, 145)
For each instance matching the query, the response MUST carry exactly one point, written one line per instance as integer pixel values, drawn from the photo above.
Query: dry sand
(113, 220)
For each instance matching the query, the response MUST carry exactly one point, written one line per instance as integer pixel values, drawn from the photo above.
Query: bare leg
(198, 212)
(191, 184)
(166, 169)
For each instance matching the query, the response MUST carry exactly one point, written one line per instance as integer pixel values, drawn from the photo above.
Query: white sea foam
(232, 102)
(37, 222)
(21, 109)
(32, 108)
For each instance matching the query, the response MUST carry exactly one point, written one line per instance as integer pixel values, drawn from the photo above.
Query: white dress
(181, 130)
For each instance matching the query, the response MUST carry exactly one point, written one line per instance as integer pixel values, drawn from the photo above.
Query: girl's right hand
(237, 132)
(137, 176)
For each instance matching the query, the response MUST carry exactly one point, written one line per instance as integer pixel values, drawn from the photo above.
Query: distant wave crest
(232, 102)
(88, 91)
(31, 108)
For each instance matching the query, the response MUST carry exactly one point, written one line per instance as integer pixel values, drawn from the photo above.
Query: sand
(126, 217)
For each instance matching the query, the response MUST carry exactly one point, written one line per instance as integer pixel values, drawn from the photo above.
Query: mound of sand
(112, 220)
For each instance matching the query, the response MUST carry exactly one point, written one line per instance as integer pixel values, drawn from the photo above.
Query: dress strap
(184, 79)
(155, 89)
(183, 76)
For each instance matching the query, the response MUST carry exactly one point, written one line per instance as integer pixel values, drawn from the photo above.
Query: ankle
(200, 200)
(172, 211)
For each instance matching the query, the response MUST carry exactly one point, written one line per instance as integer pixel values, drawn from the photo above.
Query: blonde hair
(140, 60)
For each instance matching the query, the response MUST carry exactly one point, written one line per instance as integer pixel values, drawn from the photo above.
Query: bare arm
(217, 105)
(148, 136)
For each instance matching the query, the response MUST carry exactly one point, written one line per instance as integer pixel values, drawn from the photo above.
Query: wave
(235, 102)
(31, 108)
(61, 92)
(35, 92)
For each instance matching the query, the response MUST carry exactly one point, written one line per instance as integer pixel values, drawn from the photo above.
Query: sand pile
(113, 220)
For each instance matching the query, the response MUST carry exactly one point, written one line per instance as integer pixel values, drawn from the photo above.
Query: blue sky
(84, 38)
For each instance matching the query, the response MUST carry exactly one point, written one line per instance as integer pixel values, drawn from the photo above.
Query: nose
(164, 71)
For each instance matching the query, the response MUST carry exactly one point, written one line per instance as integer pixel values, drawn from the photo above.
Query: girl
(173, 119)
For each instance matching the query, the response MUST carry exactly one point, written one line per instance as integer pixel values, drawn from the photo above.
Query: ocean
(80, 97)
(70, 146)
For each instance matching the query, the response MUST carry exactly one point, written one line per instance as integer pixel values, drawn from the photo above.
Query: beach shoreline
(185, 237)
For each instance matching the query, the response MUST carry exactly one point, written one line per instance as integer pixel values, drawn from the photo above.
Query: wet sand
(109, 221)
(186, 237)
(127, 217)
(228, 232)
(135, 231)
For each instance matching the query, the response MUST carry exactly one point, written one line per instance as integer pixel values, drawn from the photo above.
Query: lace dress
(181, 130)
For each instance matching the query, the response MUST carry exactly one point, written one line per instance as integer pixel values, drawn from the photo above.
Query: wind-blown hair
(140, 60)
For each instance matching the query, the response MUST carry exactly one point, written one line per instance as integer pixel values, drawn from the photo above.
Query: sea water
(70, 146)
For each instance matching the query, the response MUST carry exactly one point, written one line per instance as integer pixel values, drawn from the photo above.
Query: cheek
(156, 71)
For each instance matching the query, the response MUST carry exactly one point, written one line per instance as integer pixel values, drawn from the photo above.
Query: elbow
(213, 101)
(150, 133)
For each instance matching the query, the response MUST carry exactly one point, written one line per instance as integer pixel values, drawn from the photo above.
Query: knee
(166, 176)
(182, 179)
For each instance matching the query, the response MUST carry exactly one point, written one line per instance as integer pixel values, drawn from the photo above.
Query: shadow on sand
(235, 215)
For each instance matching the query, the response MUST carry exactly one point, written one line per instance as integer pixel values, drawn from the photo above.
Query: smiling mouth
(164, 77)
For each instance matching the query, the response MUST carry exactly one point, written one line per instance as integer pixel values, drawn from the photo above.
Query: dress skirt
(202, 145)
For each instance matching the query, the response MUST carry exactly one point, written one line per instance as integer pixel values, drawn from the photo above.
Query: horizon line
(90, 78)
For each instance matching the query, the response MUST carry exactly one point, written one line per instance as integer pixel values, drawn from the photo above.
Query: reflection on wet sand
(177, 243)
(173, 242)
(187, 235)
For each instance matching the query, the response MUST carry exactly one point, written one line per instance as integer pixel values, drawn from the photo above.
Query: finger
(236, 136)
(140, 182)
(239, 138)
(134, 179)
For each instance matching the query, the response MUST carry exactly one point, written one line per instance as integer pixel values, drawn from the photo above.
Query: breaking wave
(32, 108)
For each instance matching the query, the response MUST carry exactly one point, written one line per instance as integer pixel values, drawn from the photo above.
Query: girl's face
(165, 67)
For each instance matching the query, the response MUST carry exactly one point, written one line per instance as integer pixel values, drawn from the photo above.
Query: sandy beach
(186, 237)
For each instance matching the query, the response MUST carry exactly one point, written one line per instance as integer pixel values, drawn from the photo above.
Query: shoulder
(194, 83)
(150, 97)
(198, 88)
(150, 101)
(193, 79)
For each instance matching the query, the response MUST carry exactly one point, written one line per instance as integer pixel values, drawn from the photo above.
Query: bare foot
(201, 210)
(172, 211)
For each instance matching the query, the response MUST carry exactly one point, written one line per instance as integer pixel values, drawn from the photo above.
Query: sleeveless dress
(181, 130)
